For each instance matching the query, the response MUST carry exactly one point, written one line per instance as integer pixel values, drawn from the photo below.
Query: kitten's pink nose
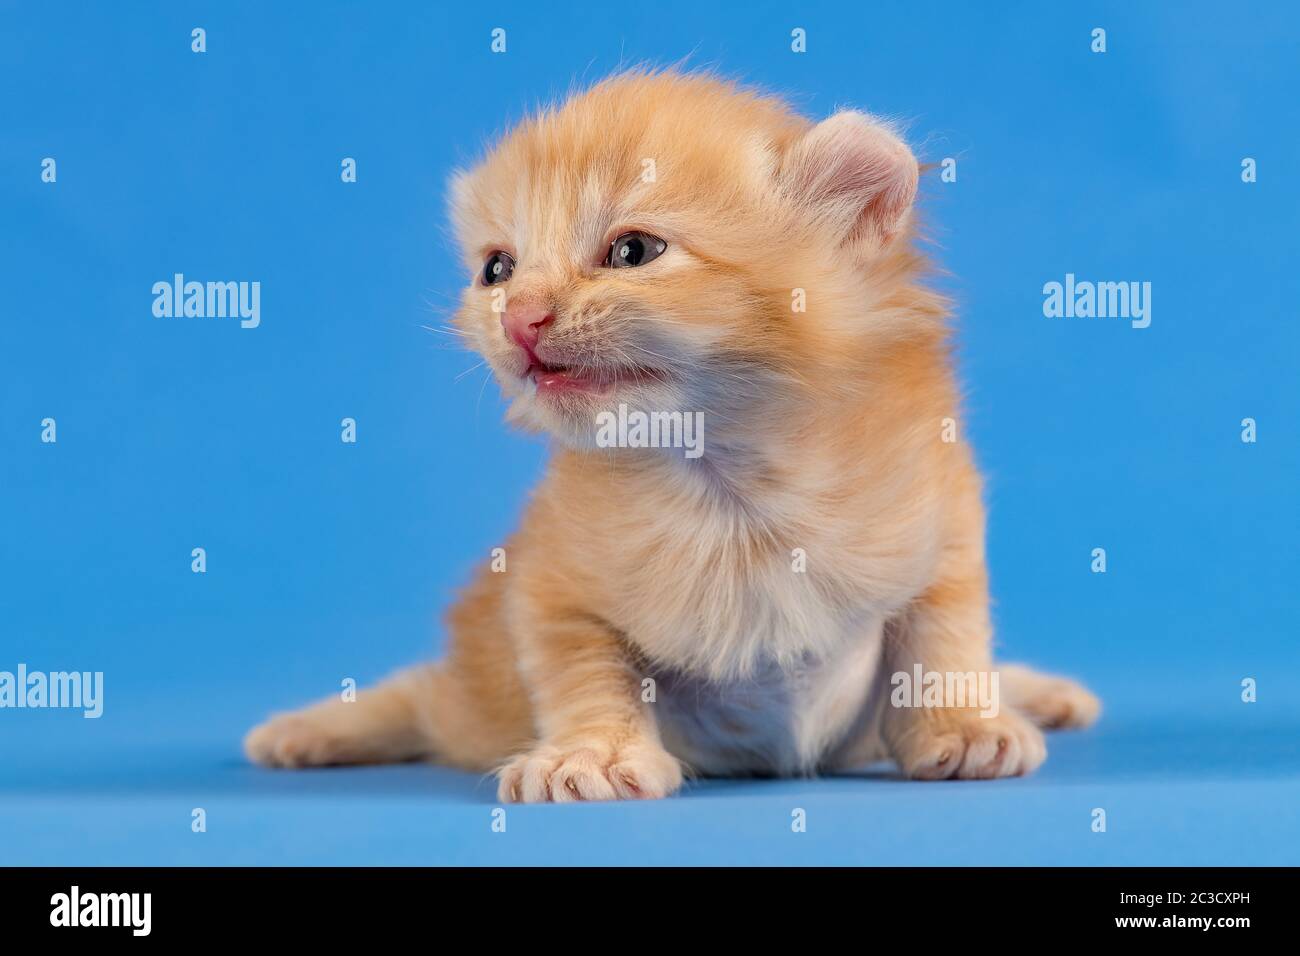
(523, 325)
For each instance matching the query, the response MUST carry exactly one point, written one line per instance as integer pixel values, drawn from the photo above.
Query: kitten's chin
(568, 431)
(574, 413)
(567, 414)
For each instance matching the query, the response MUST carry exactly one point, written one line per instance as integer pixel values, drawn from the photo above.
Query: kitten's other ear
(459, 201)
(855, 176)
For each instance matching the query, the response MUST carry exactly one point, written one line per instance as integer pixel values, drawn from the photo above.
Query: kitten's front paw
(941, 743)
(590, 771)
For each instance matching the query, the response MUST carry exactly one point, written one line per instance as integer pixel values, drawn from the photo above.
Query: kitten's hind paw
(292, 740)
(1056, 703)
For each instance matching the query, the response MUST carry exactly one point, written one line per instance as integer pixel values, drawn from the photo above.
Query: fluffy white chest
(724, 595)
(783, 721)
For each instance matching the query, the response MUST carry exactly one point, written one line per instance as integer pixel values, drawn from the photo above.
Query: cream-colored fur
(741, 612)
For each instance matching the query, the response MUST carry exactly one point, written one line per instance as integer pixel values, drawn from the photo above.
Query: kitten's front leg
(597, 739)
(947, 631)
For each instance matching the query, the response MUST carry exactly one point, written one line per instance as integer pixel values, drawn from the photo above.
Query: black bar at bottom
(338, 904)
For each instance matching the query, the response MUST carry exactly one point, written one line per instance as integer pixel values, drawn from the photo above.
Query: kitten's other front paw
(937, 744)
(590, 771)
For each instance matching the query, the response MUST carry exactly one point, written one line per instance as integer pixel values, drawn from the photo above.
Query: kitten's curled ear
(854, 176)
(460, 199)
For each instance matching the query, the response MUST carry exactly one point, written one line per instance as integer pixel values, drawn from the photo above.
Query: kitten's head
(673, 243)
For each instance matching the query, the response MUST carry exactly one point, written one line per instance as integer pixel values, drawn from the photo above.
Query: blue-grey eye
(498, 268)
(634, 249)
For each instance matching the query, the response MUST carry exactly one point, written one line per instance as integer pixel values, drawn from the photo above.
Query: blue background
(328, 560)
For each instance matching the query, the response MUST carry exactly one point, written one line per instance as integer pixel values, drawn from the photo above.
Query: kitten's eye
(498, 268)
(634, 249)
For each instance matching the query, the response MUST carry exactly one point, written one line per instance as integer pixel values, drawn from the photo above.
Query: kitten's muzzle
(523, 326)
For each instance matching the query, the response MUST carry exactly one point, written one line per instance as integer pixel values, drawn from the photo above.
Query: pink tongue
(554, 379)
(562, 381)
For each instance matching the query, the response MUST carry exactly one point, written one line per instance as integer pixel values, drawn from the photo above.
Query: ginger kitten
(649, 245)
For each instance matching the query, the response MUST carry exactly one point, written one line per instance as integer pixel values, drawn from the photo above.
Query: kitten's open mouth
(553, 378)
(567, 378)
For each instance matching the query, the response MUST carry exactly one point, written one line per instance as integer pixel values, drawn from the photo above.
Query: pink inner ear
(857, 175)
